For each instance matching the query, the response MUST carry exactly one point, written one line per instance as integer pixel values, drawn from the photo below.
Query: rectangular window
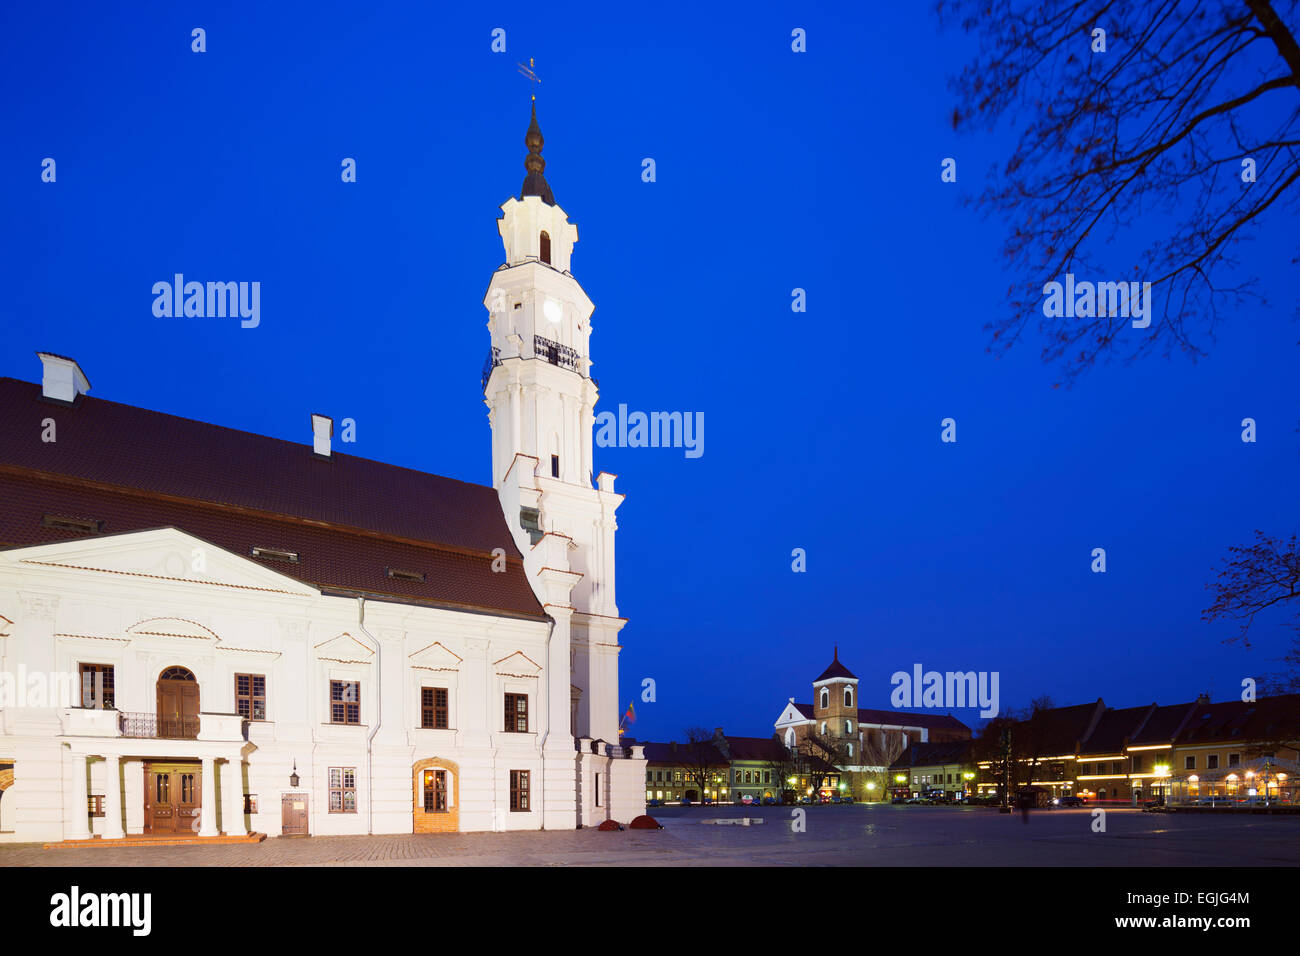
(95, 803)
(519, 790)
(1234, 760)
(250, 696)
(345, 702)
(597, 789)
(1212, 762)
(517, 713)
(555, 466)
(250, 803)
(343, 789)
(433, 708)
(1190, 763)
(94, 679)
(435, 791)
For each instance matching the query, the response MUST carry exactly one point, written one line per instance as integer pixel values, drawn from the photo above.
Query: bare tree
(781, 765)
(1187, 107)
(821, 756)
(700, 758)
(880, 748)
(1255, 578)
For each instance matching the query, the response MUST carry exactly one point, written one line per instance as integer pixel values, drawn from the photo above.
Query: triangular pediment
(791, 715)
(177, 627)
(160, 554)
(344, 649)
(435, 657)
(517, 664)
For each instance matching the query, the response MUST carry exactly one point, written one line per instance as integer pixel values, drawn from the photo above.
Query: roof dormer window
(276, 554)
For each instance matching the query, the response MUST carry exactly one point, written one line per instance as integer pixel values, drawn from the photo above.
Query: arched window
(546, 247)
(848, 726)
(850, 750)
(848, 697)
(826, 698)
(823, 728)
(789, 738)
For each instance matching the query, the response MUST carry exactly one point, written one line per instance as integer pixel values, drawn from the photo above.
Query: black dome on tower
(535, 183)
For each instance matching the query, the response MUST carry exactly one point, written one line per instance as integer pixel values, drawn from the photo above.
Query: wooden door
(172, 798)
(178, 708)
(293, 814)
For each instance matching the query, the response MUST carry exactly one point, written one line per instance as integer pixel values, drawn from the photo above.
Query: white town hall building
(206, 631)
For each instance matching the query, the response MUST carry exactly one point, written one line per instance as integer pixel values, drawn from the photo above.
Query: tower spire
(535, 183)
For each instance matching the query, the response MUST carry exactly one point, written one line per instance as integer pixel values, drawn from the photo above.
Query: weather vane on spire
(528, 74)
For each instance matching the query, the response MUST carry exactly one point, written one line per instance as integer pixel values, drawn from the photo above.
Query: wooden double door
(172, 797)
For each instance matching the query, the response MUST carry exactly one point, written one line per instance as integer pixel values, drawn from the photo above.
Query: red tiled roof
(128, 447)
(755, 748)
(348, 518)
(904, 718)
(684, 754)
(1265, 719)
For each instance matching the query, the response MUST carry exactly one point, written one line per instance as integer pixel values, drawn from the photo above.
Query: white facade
(541, 402)
(132, 601)
(147, 602)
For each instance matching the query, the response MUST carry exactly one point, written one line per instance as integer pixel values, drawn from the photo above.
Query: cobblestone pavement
(835, 836)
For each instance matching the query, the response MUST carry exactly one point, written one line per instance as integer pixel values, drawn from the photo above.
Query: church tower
(835, 705)
(541, 399)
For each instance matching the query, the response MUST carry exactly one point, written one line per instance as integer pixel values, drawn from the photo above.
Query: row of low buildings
(730, 769)
(1191, 752)
(1183, 753)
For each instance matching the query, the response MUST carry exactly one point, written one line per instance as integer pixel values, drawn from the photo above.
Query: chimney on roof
(322, 430)
(1203, 698)
(62, 379)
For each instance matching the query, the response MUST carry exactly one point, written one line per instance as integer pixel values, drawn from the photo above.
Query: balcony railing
(561, 356)
(492, 361)
(161, 728)
(555, 353)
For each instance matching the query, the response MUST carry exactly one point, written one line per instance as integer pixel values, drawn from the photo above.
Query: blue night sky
(775, 170)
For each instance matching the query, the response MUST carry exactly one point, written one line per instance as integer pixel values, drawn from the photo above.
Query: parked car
(769, 801)
(1069, 801)
(899, 800)
(653, 803)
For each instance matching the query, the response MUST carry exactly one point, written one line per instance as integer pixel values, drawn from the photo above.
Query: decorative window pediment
(344, 649)
(517, 664)
(175, 627)
(436, 657)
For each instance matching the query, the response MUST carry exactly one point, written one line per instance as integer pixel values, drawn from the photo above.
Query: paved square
(872, 835)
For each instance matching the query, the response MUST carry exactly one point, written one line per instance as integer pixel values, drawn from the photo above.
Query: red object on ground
(610, 825)
(646, 822)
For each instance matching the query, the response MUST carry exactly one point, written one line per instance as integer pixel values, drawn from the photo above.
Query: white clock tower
(541, 398)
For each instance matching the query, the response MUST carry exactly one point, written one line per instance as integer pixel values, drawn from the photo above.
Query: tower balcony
(492, 361)
(561, 356)
(555, 353)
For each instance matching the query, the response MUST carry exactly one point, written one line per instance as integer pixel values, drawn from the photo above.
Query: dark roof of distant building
(1114, 729)
(756, 748)
(932, 754)
(1162, 725)
(1265, 719)
(1058, 731)
(906, 718)
(835, 669)
(683, 754)
(347, 518)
